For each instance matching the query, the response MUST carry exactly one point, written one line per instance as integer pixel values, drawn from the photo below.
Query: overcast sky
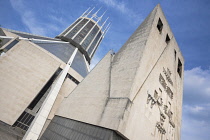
(188, 19)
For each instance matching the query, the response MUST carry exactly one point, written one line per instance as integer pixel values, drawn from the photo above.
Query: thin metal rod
(90, 11)
(93, 40)
(79, 21)
(100, 40)
(103, 14)
(36, 127)
(73, 23)
(107, 26)
(6, 37)
(85, 12)
(104, 22)
(95, 24)
(74, 26)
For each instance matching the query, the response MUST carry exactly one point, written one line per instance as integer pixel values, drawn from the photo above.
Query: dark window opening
(160, 25)
(44, 90)
(24, 121)
(175, 54)
(9, 46)
(73, 79)
(167, 39)
(179, 68)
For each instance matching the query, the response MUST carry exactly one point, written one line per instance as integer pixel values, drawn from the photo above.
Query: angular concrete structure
(134, 94)
(37, 72)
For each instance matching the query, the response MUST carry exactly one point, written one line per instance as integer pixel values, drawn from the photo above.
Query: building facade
(135, 94)
(38, 72)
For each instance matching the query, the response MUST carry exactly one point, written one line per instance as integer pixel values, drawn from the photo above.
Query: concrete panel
(127, 60)
(24, 70)
(125, 92)
(86, 100)
(147, 82)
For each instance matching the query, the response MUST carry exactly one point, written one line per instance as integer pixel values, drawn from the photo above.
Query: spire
(104, 22)
(84, 32)
(85, 12)
(89, 12)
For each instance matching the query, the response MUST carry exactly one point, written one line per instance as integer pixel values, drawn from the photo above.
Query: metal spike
(90, 11)
(106, 31)
(98, 10)
(104, 22)
(95, 14)
(85, 12)
(107, 27)
(103, 14)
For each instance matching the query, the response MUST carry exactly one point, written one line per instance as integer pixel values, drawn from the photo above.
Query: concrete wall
(143, 119)
(24, 70)
(115, 94)
(76, 105)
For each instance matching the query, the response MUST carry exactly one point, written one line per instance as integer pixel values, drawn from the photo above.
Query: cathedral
(133, 94)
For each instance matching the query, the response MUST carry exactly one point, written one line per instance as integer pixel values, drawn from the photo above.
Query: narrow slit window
(44, 90)
(9, 46)
(160, 25)
(175, 54)
(167, 39)
(179, 68)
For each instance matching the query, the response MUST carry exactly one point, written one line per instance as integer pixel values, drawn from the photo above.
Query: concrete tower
(37, 72)
(85, 33)
(135, 94)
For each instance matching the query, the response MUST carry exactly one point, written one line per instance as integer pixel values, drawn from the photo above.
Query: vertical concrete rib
(73, 22)
(95, 24)
(100, 39)
(41, 117)
(79, 21)
(83, 25)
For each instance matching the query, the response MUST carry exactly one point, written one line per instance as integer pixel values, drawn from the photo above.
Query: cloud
(196, 105)
(197, 84)
(32, 21)
(122, 7)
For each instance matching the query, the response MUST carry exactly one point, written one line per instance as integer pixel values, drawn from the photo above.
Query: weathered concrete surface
(27, 62)
(20, 68)
(81, 108)
(115, 94)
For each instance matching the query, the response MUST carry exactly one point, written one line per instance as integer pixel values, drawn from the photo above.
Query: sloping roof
(63, 51)
(28, 35)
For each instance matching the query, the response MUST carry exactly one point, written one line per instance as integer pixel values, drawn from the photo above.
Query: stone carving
(167, 88)
(156, 99)
(165, 110)
(168, 75)
(172, 123)
(160, 101)
(150, 98)
(162, 81)
(160, 128)
(169, 113)
(169, 92)
(162, 117)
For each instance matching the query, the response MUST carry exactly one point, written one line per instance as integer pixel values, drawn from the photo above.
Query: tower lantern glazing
(86, 33)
